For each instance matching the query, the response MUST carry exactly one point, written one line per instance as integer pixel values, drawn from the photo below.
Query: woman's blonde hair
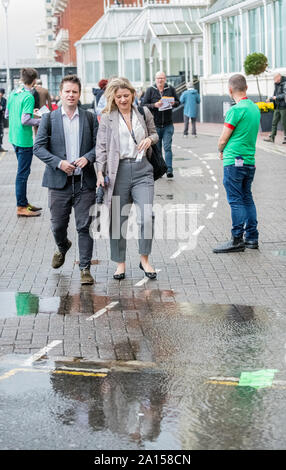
(113, 86)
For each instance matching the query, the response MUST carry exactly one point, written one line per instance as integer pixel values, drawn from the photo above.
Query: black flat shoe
(150, 275)
(119, 277)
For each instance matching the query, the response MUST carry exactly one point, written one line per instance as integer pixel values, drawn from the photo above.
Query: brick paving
(130, 330)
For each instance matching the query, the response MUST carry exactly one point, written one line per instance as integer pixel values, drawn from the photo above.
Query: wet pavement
(188, 397)
(140, 364)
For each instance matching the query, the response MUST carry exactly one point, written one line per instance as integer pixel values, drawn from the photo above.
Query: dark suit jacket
(50, 147)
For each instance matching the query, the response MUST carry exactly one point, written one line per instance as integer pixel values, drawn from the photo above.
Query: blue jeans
(237, 182)
(24, 157)
(165, 136)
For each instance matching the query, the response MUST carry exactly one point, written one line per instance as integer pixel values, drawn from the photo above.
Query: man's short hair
(277, 73)
(71, 79)
(237, 82)
(28, 76)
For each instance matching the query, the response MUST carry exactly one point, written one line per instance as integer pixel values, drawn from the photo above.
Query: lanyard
(132, 131)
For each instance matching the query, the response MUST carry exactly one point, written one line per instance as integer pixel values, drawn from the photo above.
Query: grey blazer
(108, 145)
(50, 147)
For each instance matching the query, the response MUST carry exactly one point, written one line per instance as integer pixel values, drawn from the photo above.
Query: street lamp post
(5, 4)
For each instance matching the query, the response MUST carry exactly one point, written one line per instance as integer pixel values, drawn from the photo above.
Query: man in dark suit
(66, 143)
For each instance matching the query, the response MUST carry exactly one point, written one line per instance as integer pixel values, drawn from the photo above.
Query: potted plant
(255, 64)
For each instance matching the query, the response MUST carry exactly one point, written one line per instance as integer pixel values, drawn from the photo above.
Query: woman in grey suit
(123, 145)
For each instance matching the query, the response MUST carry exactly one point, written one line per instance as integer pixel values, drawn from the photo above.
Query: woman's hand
(144, 144)
(100, 180)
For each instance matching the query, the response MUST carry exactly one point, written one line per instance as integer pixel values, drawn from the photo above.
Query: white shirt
(71, 132)
(128, 148)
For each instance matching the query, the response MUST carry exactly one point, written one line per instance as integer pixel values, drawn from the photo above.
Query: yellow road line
(9, 374)
(84, 374)
(222, 382)
(12, 372)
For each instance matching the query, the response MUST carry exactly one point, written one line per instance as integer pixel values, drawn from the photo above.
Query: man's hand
(67, 167)
(158, 104)
(81, 162)
(274, 97)
(35, 114)
(221, 156)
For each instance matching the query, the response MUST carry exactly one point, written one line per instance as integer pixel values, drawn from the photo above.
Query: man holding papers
(161, 98)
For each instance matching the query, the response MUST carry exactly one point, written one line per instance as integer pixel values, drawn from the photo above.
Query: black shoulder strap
(141, 111)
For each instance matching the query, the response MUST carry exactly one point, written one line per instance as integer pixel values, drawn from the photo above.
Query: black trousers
(61, 202)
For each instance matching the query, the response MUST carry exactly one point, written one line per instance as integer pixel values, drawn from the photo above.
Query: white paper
(166, 102)
(43, 110)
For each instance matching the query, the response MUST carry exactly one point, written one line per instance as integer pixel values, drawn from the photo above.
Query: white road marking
(178, 252)
(215, 204)
(211, 156)
(210, 215)
(213, 178)
(102, 311)
(35, 357)
(199, 229)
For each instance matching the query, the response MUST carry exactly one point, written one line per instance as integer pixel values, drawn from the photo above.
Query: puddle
(165, 196)
(61, 404)
(279, 252)
(93, 262)
(18, 304)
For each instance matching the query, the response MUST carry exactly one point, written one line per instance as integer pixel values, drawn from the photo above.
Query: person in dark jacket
(279, 100)
(155, 100)
(2, 114)
(98, 92)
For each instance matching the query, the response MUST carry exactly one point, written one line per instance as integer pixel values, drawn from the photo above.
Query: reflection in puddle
(170, 405)
(165, 196)
(279, 253)
(85, 302)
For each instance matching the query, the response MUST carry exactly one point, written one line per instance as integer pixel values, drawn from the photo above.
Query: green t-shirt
(244, 119)
(20, 102)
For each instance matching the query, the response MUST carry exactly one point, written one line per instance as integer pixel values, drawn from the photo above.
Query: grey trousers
(134, 184)
(186, 125)
(61, 202)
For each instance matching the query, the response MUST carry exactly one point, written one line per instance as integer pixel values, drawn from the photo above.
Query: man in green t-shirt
(237, 150)
(20, 110)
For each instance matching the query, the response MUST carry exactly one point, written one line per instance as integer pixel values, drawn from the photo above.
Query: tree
(255, 64)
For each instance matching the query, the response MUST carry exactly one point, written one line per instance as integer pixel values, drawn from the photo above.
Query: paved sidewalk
(56, 308)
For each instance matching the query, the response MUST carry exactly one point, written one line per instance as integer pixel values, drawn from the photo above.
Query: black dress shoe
(150, 275)
(170, 174)
(251, 244)
(234, 245)
(119, 277)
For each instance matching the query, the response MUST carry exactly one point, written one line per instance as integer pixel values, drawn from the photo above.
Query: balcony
(59, 6)
(62, 41)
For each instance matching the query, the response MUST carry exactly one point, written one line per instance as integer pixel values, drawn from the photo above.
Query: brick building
(72, 19)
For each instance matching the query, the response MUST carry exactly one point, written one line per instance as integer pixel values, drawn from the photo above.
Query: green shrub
(255, 64)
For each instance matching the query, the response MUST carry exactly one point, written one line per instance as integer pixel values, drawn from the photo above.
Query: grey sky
(26, 18)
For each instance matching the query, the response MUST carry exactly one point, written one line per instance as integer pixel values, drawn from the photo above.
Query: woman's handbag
(156, 159)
